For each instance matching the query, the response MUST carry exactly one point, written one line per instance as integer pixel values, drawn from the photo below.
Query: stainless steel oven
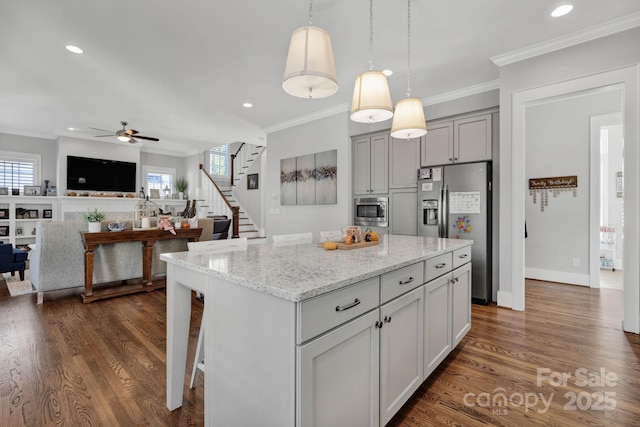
(371, 211)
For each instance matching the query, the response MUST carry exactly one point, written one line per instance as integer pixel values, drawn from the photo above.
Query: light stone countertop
(299, 272)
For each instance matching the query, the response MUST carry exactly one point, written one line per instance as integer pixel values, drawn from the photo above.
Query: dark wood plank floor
(103, 364)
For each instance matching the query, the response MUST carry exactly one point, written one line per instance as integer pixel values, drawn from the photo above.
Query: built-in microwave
(371, 211)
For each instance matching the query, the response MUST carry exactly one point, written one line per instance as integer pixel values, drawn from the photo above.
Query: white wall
(321, 135)
(557, 144)
(47, 148)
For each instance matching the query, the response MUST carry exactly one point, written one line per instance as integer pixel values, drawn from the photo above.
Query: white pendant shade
(408, 120)
(371, 98)
(310, 71)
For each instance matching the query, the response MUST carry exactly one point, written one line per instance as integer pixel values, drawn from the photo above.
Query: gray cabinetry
(466, 139)
(402, 212)
(371, 164)
(404, 161)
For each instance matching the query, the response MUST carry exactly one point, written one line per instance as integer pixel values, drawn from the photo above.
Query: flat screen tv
(85, 173)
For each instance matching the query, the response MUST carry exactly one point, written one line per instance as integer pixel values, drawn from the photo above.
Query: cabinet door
(437, 326)
(437, 145)
(361, 166)
(461, 303)
(379, 168)
(338, 378)
(402, 213)
(404, 161)
(472, 138)
(401, 353)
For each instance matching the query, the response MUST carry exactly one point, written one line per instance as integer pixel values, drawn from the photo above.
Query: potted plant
(94, 218)
(20, 213)
(181, 186)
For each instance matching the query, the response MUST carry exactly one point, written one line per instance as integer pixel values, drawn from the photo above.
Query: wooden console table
(148, 238)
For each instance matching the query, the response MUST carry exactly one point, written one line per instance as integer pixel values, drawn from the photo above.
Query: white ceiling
(180, 70)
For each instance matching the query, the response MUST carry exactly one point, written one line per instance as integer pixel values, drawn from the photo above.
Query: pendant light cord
(311, 13)
(370, 35)
(408, 48)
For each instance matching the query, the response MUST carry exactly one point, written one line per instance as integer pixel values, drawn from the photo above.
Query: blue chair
(221, 229)
(12, 259)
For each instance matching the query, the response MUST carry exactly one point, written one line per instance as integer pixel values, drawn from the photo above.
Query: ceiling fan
(126, 135)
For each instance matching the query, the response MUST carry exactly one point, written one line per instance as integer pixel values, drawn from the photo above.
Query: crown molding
(596, 32)
(306, 119)
(462, 93)
(21, 132)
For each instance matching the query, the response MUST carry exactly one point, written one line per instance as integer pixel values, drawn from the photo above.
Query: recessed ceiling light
(387, 72)
(562, 10)
(72, 128)
(74, 49)
(247, 105)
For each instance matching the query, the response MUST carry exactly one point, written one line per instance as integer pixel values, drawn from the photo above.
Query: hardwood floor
(103, 364)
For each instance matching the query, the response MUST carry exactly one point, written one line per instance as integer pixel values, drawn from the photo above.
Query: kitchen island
(298, 335)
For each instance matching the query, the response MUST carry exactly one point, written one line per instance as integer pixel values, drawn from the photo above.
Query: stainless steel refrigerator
(454, 201)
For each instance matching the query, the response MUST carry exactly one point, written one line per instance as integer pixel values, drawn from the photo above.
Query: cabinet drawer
(319, 314)
(461, 256)
(438, 266)
(400, 281)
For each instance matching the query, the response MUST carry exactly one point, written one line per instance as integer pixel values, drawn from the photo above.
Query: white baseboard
(557, 276)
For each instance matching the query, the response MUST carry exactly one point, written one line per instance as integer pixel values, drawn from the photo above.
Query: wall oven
(371, 211)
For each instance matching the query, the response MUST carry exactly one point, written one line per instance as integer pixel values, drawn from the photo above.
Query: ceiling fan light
(408, 120)
(371, 101)
(310, 71)
(123, 138)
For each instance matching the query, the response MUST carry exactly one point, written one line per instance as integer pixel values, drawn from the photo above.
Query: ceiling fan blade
(130, 132)
(102, 136)
(102, 130)
(149, 138)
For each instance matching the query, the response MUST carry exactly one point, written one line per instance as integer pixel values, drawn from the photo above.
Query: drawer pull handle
(441, 265)
(401, 282)
(463, 255)
(348, 306)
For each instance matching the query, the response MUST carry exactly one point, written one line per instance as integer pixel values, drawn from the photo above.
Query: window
(219, 160)
(158, 178)
(18, 170)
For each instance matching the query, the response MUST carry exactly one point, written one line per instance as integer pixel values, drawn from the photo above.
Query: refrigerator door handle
(440, 209)
(445, 213)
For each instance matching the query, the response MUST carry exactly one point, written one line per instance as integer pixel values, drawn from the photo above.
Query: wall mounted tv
(85, 173)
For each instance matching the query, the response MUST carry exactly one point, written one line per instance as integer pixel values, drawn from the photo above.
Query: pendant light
(408, 121)
(310, 71)
(371, 101)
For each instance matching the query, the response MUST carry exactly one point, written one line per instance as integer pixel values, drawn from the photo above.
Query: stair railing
(233, 162)
(235, 210)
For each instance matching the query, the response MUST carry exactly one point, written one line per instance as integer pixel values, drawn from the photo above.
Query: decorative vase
(181, 195)
(95, 227)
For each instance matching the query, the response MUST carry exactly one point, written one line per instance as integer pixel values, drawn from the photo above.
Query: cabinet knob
(387, 319)
(379, 324)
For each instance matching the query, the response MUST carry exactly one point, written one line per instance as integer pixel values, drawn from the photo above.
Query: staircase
(219, 197)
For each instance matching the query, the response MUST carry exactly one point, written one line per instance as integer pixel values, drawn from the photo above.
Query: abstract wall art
(310, 179)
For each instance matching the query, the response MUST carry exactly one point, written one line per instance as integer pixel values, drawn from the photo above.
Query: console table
(147, 238)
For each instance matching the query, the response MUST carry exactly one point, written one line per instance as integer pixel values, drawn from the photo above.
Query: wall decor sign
(542, 187)
(310, 179)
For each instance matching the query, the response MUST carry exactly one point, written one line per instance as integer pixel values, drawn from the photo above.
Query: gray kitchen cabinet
(437, 322)
(466, 139)
(401, 353)
(402, 212)
(460, 303)
(404, 161)
(371, 164)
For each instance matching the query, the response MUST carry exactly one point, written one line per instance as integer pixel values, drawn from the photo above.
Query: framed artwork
(4, 191)
(52, 190)
(47, 213)
(4, 230)
(15, 191)
(19, 231)
(4, 213)
(252, 181)
(32, 213)
(309, 179)
(154, 193)
(32, 190)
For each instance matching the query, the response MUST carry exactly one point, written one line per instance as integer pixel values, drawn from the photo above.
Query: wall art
(310, 179)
